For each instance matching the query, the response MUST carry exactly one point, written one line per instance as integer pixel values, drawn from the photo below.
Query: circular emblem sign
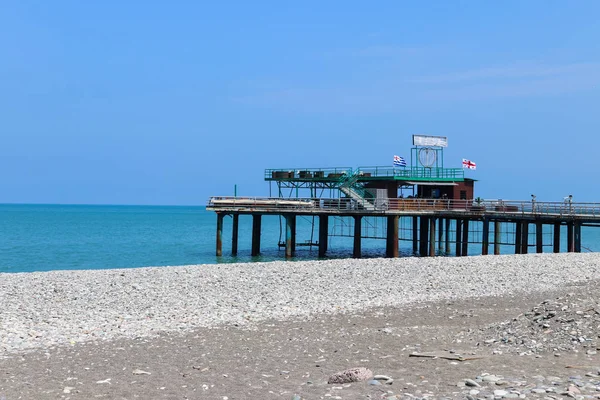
(427, 157)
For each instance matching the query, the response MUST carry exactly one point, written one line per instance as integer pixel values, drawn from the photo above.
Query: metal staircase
(349, 185)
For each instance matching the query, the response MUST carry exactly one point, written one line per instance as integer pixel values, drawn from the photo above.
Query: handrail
(307, 173)
(349, 181)
(365, 173)
(512, 207)
(413, 172)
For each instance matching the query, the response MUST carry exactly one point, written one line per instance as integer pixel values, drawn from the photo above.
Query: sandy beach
(499, 326)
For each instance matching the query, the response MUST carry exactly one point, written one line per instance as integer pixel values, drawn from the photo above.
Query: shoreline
(56, 308)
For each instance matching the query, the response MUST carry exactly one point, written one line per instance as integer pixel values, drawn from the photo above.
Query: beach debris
(351, 375)
(445, 356)
(567, 323)
(386, 379)
(140, 372)
(568, 386)
(68, 389)
(104, 381)
(583, 367)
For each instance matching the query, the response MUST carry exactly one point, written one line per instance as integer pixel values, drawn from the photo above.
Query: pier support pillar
(234, 234)
(556, 239)
(357, 236)
(485, 238)
(539, 241)
(525, 237)
(392, 236)
(518, 237)
(497, 237)
(256, 222)
(458, 237)
(431, 237)
(577, 237)
(290, 235)
(570, 237)
(441, 235)
(220, 234)
(323, 230)
(465, 239)
(415, 222)
(423, 235)
(447, 233)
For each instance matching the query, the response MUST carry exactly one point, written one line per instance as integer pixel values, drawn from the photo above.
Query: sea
(36, 237)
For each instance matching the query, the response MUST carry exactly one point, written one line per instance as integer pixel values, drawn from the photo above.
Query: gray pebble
(472, 383)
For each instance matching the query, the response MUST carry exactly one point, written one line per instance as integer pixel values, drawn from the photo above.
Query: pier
(421, 202)
(435, 226)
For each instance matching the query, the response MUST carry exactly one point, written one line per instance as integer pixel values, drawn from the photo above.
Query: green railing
(416, 173)
(350, 181)
(341, 174)
(307, 173)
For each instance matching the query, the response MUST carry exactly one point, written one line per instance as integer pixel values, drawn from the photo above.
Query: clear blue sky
(147, 102)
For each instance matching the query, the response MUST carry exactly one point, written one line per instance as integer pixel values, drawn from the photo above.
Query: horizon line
(101, 204)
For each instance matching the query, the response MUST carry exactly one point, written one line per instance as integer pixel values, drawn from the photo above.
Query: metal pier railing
(316, 205)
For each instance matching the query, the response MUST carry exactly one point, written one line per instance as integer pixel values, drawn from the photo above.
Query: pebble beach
(47, 309)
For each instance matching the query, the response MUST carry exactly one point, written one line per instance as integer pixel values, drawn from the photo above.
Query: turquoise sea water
(52, 237)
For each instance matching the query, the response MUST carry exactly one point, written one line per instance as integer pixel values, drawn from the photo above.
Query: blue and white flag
(399, 161)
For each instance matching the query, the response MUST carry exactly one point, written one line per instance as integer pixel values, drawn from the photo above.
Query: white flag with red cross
(469, 164)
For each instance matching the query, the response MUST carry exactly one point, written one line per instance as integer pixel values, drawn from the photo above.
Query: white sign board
(429, 141)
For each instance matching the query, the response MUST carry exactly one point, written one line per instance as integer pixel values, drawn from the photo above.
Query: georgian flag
(468, 164)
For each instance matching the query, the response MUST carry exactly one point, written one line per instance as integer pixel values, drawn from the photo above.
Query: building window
(463, 194)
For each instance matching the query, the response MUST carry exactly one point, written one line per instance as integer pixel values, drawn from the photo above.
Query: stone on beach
(351, 375)
(140, 372)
